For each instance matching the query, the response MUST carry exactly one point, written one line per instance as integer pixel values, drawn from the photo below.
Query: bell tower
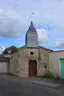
(31, 39)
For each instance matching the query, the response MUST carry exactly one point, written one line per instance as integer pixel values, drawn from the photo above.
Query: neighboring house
(31, 59)
(56, 63)
(4, 64)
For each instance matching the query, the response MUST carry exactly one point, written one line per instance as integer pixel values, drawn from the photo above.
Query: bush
(49, 74)
(12, 49)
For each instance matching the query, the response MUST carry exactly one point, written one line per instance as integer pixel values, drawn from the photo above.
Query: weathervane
(32, 15)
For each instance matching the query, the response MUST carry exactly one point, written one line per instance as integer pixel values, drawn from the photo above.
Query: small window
(31, 53)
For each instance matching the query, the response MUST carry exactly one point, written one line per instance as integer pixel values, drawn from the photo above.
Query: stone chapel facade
(31, 59)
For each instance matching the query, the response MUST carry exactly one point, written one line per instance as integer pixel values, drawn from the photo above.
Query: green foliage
(5, 51)
(12, 48)
(49, 74)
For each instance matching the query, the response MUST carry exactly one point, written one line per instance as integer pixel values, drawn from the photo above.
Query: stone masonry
(19, 61)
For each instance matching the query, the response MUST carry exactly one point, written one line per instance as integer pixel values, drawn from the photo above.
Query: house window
(31, 53)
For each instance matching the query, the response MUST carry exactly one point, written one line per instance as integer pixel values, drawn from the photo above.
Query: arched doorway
(32, 68)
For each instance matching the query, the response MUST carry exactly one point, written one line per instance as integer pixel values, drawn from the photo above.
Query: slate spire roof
(31, 39)
(31, 28)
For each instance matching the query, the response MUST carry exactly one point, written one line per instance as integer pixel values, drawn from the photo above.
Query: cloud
(15, 17)
(59, 44)
(2, 49)
(9, 24)
(42, 36)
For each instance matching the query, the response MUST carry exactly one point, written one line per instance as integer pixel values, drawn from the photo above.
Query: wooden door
(32, 68)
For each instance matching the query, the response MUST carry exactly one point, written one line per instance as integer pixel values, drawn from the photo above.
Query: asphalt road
(13, 86)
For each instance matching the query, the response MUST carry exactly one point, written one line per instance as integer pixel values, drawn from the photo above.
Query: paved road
(13, 86)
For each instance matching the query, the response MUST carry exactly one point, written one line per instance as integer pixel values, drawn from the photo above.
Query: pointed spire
(31, 28)
(31, 39)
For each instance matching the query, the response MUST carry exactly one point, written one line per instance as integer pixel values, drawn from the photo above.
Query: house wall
(54, 62)
(23, 63)
(19, 62)
(40, 55)
(26, 57)
(14, 64)
(44, 60)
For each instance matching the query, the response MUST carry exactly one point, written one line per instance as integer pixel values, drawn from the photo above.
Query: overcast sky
(47, 16)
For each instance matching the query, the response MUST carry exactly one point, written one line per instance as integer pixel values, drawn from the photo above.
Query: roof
(21, 47)
(31, 38)
(57, 51)
(46, 48)
(31, 28)
(3, 58)
(36, 48)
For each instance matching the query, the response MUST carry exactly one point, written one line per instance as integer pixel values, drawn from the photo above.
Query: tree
(10, 50)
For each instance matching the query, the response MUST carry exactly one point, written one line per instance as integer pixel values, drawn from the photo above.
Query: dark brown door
(32, 68)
